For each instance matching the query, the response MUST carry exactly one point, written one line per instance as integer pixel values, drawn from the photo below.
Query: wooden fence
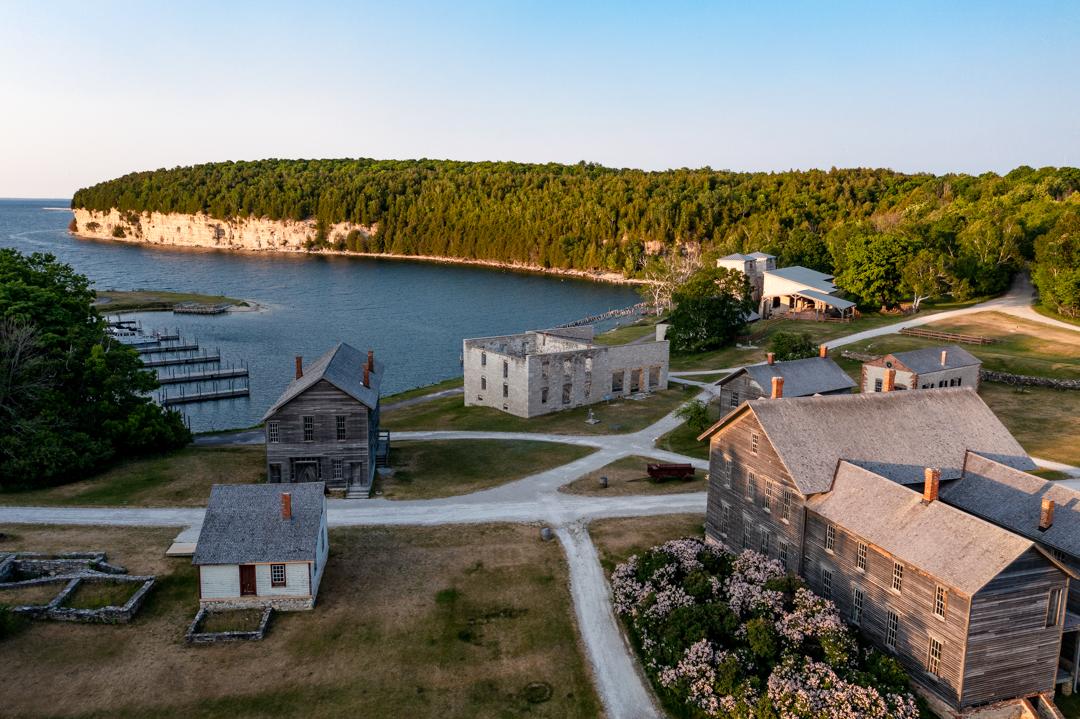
(946, 336)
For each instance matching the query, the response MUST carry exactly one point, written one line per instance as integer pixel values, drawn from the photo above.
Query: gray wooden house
(844, 491)
(325, 425)
(799, 378)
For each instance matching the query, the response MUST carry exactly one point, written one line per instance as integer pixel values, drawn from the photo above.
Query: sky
(91, 91)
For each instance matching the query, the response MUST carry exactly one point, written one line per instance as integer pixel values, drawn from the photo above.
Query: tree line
(924, 234)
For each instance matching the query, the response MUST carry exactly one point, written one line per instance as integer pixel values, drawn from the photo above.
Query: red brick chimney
(770, 358)
(371, 360)
(944, 357)
(299, 366)
(1046, 516)
(931, 484)
(367, 376)
(286, 505)
(777, 387)
(822, 351)
(889, 383)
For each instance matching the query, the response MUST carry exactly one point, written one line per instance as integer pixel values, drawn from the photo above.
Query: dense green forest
(959, 234)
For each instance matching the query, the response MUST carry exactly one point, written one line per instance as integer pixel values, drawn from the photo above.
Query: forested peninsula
(963, 234)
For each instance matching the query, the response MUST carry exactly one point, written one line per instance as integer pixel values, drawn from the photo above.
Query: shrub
(93, 226)
(696, 415)
(118, 231)
(792, 346)
(735, 636)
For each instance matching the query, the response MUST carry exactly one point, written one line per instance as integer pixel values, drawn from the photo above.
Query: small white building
(929, 368)
(803, 292)
(262, 545)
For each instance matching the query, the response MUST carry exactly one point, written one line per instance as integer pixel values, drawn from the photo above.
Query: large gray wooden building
(325, 425)
(852, 492)
(793, 378)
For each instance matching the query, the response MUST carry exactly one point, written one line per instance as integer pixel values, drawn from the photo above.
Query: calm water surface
(413, 315)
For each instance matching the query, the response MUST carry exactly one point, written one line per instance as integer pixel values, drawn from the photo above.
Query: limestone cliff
(252, 233)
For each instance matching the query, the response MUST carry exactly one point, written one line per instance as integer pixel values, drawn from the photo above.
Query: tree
(872, 267)
(665, 276)
(925, 277)
(696, 415)
(792, 346)
(71, 397)
(1057, 266)
(710, 310)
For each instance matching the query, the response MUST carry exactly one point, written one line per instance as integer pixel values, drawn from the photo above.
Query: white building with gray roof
(795, 291)
(927, 368)
(262, 545)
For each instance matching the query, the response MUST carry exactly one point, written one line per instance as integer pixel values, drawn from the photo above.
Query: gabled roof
(826, 298)
(761, 256)
(737, 256)
(929, 359)
(243, 524)
(343, 367)
(802, 378)
(1013, 499)
(804, 275)
(961, 550)
(895, 434)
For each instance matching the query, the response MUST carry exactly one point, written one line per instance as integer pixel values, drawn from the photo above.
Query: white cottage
(262, 546)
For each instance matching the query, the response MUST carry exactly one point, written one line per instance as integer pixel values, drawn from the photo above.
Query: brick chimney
(367, 376)
(944, 357)
(286, 505)
(299, 366)
(931, 484)
(889, 383)
(822, 351)
(371, 360)
(777, 387)
(1046, 516)
(770, 358)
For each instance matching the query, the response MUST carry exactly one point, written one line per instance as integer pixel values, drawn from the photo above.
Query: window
(506, 390)
(941, 384)
(1053, 607)
(483, 383)
(725, 520)
(892, 625)
(952, 382)
(734, 402)
(933, 657)
(860, 557)
(959, 381)
(856, 605)
(785, 514)
(753, 442)
(751, 486)
(544, 367)
(275, 473)
(941, 602)
(898, 576)
(567, 393)
(616, 381)
(877, 385)
(340, 423)
(727, 470)
(826, 582)
(767, 498)
(830, 538)
(766, 540)
(483, 359)
(543, 395)
(339, 469)
(745, 532)
(277, 575)
(309, 428)
(783, 555)
(654, 377)
(506, 369)
(273, 432)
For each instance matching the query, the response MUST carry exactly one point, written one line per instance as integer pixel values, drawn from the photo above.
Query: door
(305, 471)
(247, 580)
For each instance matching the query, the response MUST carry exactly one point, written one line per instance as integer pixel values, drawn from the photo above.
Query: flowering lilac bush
(735, 636)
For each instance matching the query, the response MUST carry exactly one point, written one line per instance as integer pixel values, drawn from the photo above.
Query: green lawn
(684, 440)
(182, 478)
(1047, 312)
(1069, 705)
(422, 622)
(1046, 422)
(101, 593)
(421, 391)
(645, 327)
(618, 539)
(109, 301)
(623, 415)
(423, 470)
(628, 476)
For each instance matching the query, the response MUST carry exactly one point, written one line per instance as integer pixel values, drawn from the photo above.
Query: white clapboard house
(262, 545)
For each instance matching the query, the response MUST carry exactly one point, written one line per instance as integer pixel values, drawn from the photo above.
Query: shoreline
(118, 302)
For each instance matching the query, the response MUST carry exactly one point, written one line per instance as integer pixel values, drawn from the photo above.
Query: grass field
(128, 301)
(684, 440)
(1046, 422)
(421, 391)
(32, 595)
(645, 327)
(449, 622)
(423, 470)
(182, 478)
(1020, 346)
(235, 620)
(623, 415)
(628, 476)
(98, 594)
(617, 539)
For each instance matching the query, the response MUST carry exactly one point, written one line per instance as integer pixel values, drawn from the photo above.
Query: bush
(118, 231)
(10, 624)
(727, 636)
(696, 415)
(792, 346)
(93, 226)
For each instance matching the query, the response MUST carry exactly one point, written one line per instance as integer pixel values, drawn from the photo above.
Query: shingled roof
(895, 434)
(244, 524)
(802, 377)
(960, 549)
(804, 275)
(343, 367)
(929, 359)
(1013, 499)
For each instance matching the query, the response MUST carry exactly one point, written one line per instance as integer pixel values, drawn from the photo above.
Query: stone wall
(1029, 381)
(195, 636)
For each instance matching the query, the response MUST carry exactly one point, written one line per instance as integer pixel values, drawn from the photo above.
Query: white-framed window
(877, 385)
(725, 520)
(857, 598)
(826, 582)
(785, 505)
(277, 575)
(941, 602)
(1053, 607)
(746, 540)
(751, 487)
(483, 383)
(506, 390)
(273, 432)
(727, 471)
(767, 497)
(506, 369)
(734, 401)
(782, 554)
(933, 657)
(339, 469)
(309, 428)
(766, 540)
(830, 538)
(339, 425)
(483, 359)
(897, 577)
(754, 441)
(892, 627)
(860, 557)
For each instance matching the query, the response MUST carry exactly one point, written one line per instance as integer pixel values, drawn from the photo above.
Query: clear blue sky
(90, 91)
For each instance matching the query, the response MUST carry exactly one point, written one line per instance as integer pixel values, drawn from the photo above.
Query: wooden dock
(190, 359)
(162, 349)
(205, 396)
(204, 375)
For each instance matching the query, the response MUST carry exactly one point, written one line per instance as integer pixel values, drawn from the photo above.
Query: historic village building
(795, 292)
(794, 378)
(262, 545)
(536, 373)
(879, 501)
(929, 368)
(325, 426)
